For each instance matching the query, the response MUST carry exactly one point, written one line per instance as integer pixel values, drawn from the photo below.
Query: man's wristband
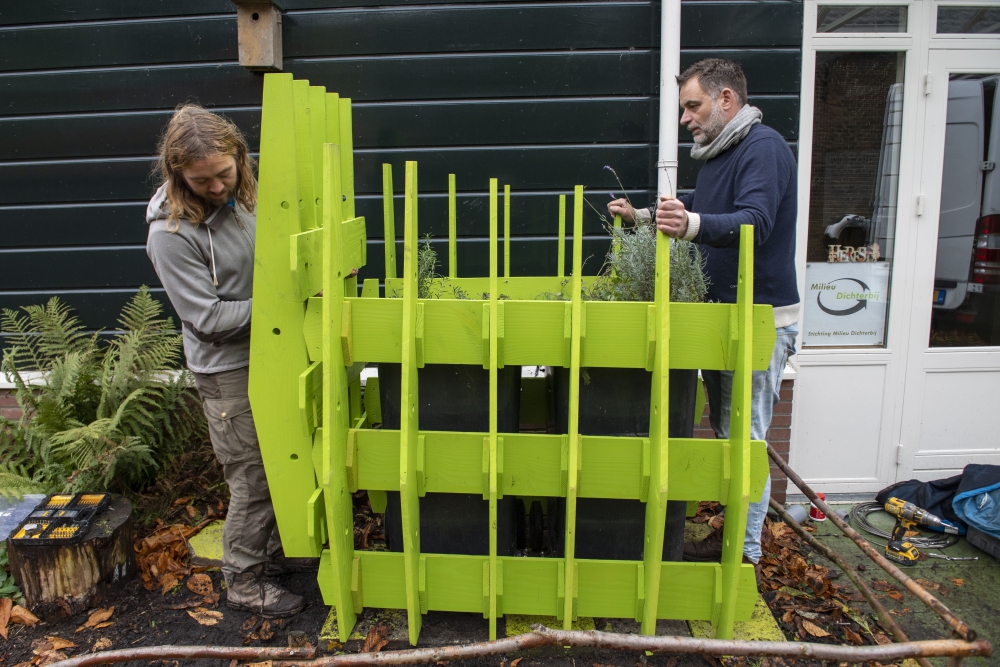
(694, 225)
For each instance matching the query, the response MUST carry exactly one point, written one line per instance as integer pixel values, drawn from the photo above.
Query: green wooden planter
(307, 351)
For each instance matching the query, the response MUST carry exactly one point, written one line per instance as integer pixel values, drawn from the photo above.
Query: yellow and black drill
(909, 516)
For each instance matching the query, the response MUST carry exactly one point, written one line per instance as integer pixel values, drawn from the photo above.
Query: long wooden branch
(187, 653)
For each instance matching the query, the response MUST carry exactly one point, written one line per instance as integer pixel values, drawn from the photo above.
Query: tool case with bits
(62, 518)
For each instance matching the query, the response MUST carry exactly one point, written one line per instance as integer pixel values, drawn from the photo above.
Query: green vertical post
(739, 441)
(573, 479)
(506, 231)
(562, 236)
(336, 409)
(318, 138)
(304, 164)
(452, 229)
(659, 414)
(347, 158)
(277, 349)
(389, 222)
(494, 363)
(409, 410)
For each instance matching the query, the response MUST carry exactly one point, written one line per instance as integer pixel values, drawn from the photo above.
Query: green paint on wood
(312, 335)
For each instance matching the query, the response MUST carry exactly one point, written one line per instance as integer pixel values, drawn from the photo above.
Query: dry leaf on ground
(513, 663)
(19, 614)
(896, 595)
(205, 616)
(249, 624)
(5, 607)
(97, 617)
(853, 637)
(105, 624)
(814, 629)
(101, 644)
(181, 501)
(881, 585)
(377, 638)
(900, 612)
(58, 643)
(200, 584)
(265, 632)
(164, 556)
(957, 582)
(933, 585)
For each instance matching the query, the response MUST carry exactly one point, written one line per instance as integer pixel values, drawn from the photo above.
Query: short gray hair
(714, 74)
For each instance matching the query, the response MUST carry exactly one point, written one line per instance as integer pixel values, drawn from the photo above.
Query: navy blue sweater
(752, 183)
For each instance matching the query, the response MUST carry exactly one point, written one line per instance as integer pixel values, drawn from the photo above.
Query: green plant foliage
(105, 415)
(629, 272)
(8, 589)
(431, 284)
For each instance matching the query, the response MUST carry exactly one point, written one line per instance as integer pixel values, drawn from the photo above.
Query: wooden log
(60, 581)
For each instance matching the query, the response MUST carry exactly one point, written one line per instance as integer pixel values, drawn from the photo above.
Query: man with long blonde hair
(202, 221)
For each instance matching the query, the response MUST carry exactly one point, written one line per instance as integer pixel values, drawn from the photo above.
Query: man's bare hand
(671, 218)
(623, 208)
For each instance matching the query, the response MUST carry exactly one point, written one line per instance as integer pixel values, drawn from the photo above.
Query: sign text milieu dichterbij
(845, 303)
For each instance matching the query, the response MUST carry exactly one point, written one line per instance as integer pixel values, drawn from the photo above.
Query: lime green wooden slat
(530, 586)
(659, 451)
(453, 331)
(454, 583)
(354, 253)
(687, 591)
(311, 397)
(607, 588)
(616, 332)
(336, 411)
(523, 288)
(494, 490)
(318, 136)
(312, 328)
(570, 600)
(324, 578)
(739, 442)
(277, 347)
(346, 142)
(452, 229)
(561, 267)
(532, 464)
(304, 160)
(389, 223)
(409, 415)
(506, 231)
(383, 579)
(306, 260)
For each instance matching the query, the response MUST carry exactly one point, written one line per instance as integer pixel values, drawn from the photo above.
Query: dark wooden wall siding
(540, 95)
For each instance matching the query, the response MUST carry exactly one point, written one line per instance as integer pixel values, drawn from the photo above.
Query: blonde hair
(193, 134)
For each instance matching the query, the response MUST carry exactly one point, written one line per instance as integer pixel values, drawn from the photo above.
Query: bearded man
(749, 178)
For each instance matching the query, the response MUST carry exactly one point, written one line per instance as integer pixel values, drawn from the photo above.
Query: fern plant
(106, 415)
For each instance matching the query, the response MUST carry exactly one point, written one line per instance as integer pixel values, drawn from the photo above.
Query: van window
(857, 130)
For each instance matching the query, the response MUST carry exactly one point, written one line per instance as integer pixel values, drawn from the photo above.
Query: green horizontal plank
(607, 588)
(687, 591)
(383, 581)
(530, 586)
(611, 467)
(614, 334)
(454, 583)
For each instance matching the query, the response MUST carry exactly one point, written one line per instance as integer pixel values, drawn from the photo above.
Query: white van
(968, 253)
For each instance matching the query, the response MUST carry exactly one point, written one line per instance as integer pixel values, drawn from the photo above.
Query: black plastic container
(454, 397)
(615, 401)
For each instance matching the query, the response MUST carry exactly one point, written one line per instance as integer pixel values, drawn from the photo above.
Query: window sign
(857, 131)
(846, 303)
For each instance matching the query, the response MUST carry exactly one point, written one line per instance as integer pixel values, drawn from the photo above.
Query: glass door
(952, 391)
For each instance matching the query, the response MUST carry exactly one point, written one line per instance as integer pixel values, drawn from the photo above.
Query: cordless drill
(910, 516)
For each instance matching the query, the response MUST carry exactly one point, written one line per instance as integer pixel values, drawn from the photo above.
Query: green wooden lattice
(312, 336)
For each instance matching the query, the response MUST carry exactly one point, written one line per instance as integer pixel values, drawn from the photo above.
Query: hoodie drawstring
(211, 249)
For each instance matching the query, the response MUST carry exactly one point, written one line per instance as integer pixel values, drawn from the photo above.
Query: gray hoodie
(207, 272)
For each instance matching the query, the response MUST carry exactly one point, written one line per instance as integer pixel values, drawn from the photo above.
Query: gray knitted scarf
(731, 134)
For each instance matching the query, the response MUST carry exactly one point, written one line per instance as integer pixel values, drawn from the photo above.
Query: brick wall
(779, 436)
(8, 405)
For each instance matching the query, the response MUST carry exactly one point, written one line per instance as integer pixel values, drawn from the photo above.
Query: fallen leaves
(815, 630)
(957, 582)
(102, 644)
(513, 663)
(200, 584)
(377, 638)
(205, 616)
(934, 586)
(164, 556)
(98, 619)
(19, 614)
(48, 650)
(5, 606)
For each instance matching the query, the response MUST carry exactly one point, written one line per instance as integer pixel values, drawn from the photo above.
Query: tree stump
(64, 580)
